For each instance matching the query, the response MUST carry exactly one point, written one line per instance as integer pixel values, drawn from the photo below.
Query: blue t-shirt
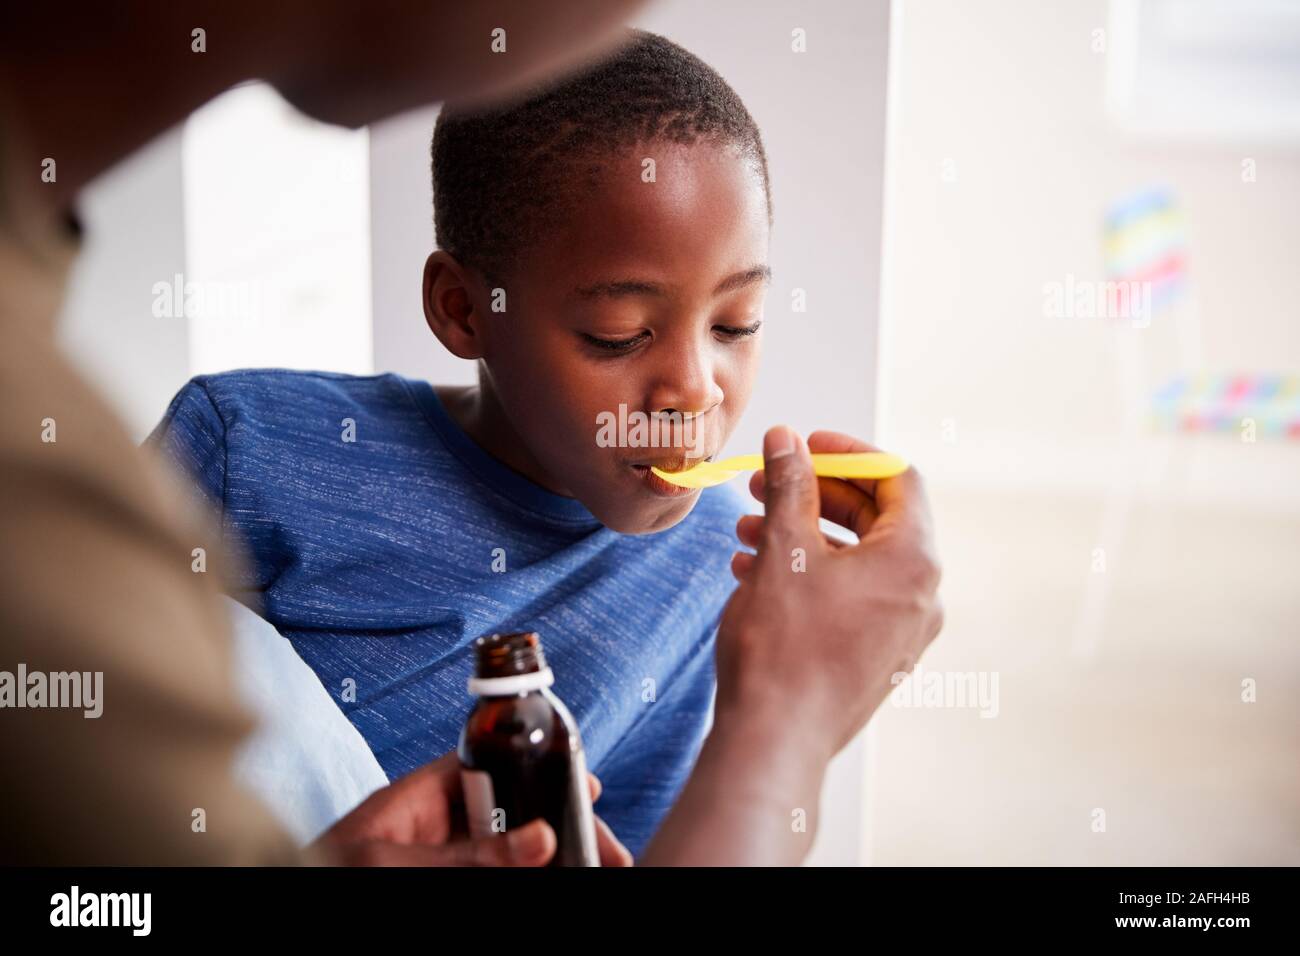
(383, 541)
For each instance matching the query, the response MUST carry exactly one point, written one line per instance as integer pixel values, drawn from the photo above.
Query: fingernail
(778, 442)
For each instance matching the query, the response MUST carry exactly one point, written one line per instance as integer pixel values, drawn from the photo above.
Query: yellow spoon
(861, 464)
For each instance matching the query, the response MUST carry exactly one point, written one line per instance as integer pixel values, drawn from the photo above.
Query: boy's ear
(450, 291)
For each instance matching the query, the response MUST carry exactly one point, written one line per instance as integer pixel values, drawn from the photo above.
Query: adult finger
(842, 502)
(742, 562)
(416, 808)
(749, 530)
(790, 490)
(612, 851)
(532, 844)
(901, 501)
(829, 442)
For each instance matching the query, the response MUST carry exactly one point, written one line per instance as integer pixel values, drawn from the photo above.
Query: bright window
(277, 230)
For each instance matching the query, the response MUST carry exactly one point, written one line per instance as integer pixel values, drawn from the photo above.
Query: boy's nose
(686, 388)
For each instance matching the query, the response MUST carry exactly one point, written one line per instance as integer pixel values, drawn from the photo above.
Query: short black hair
(501, 175)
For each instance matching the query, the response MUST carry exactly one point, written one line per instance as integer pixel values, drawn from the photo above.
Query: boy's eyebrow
(628, 287)
(743, 278)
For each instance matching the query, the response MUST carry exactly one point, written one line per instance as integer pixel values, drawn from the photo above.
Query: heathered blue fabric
(374, 557)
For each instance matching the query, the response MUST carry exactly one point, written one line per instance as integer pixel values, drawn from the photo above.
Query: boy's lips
(658, 486)
(670, 463)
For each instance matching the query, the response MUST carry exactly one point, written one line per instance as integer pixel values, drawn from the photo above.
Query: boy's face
(670, 275)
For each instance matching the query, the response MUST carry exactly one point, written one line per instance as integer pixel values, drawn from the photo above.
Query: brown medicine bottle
(520, 753)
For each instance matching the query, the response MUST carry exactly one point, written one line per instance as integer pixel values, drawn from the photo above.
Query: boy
(602, 249)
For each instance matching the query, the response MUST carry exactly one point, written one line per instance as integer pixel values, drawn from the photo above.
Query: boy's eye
(616, 345)
(620, 346)
(735, 332)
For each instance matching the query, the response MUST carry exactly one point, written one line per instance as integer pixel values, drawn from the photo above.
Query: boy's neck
(476, 409)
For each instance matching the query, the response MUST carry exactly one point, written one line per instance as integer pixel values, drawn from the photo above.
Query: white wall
(401, 231)
(1013, 95)
(135, 237)
(1121, 585)
(250, 209)
(277, 224)
(822, 117)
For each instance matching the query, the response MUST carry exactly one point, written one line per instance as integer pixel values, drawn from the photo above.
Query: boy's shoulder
(252, 387)
(715, 515)
(277, 406)
(723, 504)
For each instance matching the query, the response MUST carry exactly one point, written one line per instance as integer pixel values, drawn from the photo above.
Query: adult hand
(805, 652)
(419, 820)
(817, 628)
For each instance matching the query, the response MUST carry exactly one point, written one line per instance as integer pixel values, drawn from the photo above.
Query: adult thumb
(789, 488)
